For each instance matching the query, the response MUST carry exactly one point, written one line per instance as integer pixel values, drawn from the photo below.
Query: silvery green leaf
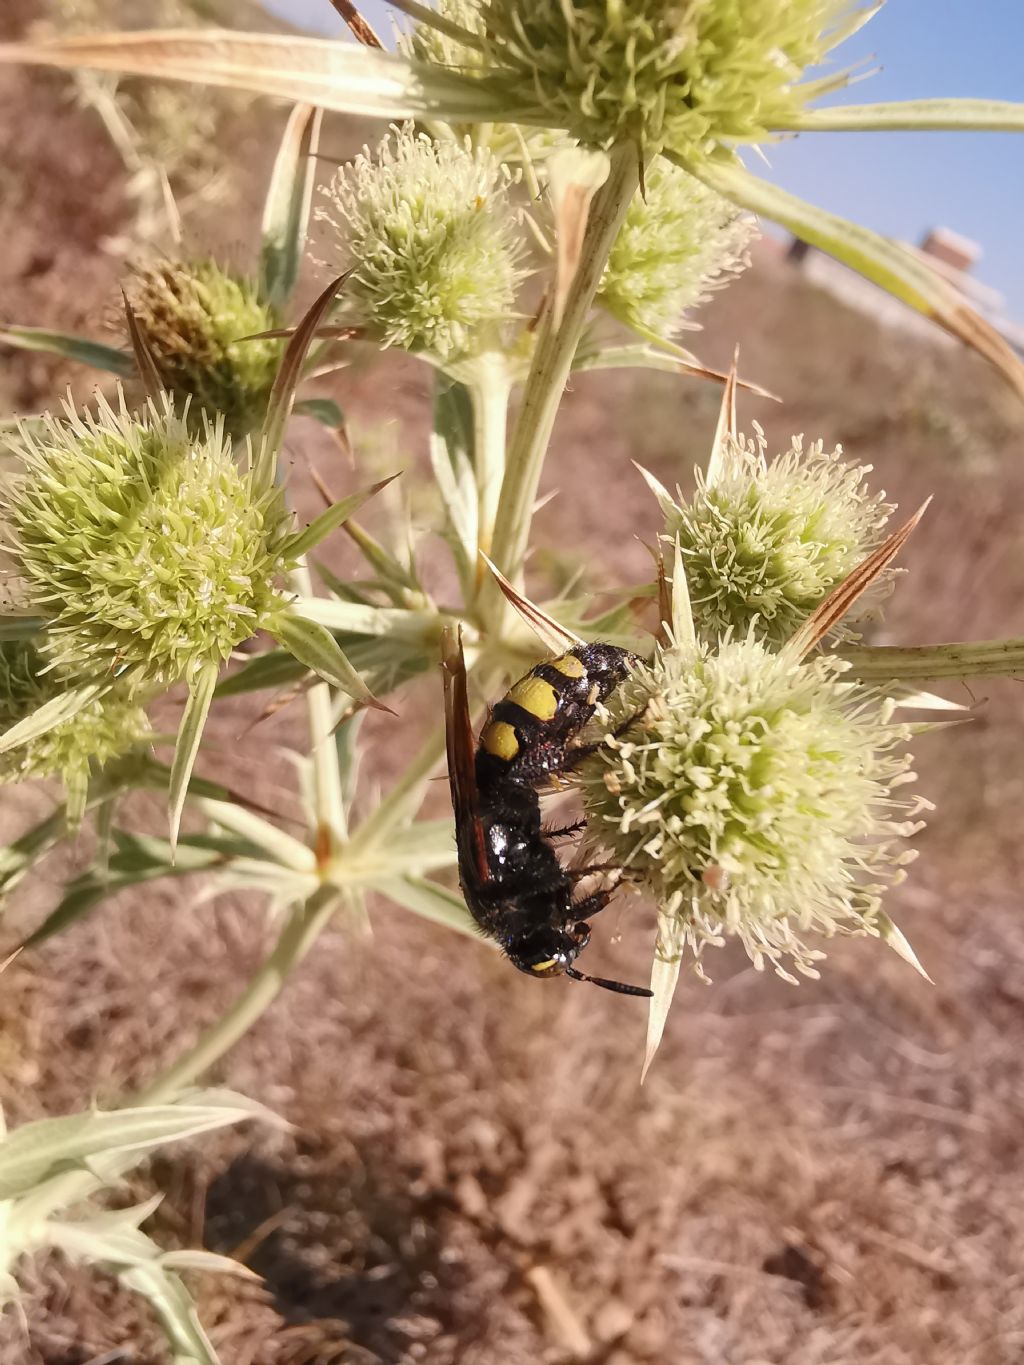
(282, 395)
(418, 848)
(354, 617)
(668, 955)
(456, 482)
(19, 856)
(317, 648)
(83, 350)
(272, 668)
(317, 71)
(953, 115)
(333, 517)
(190, 732)
(51, 714)
(286, 208)
(32, 1153)
(432, 902)
(323, 410)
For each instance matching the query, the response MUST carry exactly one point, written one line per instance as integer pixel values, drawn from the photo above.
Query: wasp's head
(548, 951)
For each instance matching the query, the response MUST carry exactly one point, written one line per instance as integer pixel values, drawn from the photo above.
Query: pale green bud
(753, 795)
(680, 242)
(101, 731)
(684, 75)
(144, 547)
(193, 316)
(428, 232)
(766, 542)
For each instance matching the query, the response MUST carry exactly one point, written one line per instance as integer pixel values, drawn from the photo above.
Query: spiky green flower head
(145, 548)
(194, 316)
(681, 75)
(765, 541)
(509, 143)
(103, 730)
(754, 797)
(680, 241)
(429, 234)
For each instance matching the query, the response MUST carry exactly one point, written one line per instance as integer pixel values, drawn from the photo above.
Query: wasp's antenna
(620, 987)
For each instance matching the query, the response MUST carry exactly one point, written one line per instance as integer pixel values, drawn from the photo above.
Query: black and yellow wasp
(515, 887)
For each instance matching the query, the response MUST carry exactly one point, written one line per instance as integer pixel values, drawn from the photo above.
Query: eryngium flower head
(101, 731)
(767, 542)
(679, 242)
(143, 546)
(684, 75)
(754, 797)
(427, 230)
(193, 317)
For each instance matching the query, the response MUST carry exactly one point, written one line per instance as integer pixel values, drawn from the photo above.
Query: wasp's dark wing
(469, 831)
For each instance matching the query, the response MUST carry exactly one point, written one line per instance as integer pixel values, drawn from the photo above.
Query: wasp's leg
(575, 754)
(564, 833)
(589, 906)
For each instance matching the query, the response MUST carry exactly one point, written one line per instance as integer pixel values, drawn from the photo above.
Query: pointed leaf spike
(359, 28)
(282, 395)
(683, 630)
(190, 732)
(898, 942)
(144, 359)
(315, 647)
(668, 957)
(336, 515)
(842, 598)
(665, 500)
(286, 210)
(557, 637)
(725, 431)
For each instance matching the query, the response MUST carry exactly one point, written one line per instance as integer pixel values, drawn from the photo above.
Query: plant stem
(489, 392)
(328, 790)
(552, 362)
(994, 658)
(297, 937)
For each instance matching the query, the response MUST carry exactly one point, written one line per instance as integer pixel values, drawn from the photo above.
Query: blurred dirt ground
(828, 1175)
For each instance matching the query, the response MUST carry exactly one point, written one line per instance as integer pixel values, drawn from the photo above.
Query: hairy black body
(515, 886)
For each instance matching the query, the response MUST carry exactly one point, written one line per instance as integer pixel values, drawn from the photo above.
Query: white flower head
(753, 795)
(428, 232)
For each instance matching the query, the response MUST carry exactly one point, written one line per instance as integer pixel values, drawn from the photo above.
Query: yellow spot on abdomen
(535, 695)
(499, 739)
(569, 665)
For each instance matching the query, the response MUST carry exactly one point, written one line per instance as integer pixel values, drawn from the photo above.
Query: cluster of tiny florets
(194, 316)
(666, 74)
(768, 540)
(101, 731)
(428, 232)
(753, 797)
(144, 547)
(679, 242)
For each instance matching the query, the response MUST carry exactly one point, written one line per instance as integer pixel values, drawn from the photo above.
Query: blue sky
(898, 183)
